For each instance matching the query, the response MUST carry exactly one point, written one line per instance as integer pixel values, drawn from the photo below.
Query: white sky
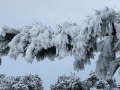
(17, 13)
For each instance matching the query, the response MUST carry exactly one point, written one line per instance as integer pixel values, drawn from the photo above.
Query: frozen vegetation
(100, 32)
(73, 82)
(28, 82)
(64, 82)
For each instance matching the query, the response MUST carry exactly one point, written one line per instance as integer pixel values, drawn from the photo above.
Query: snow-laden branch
(80, 41)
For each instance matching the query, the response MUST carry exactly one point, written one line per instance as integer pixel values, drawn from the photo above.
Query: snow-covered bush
(101, 84)
(112, 83)
(109, 84)
(71, 82)
(93, 83)
(81, 41)
(28, 82)
(90, 81)
(6, 83)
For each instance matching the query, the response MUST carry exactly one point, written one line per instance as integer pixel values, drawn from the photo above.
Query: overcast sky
(17, 13)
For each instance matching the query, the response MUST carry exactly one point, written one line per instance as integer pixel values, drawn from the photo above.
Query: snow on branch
(81, 41)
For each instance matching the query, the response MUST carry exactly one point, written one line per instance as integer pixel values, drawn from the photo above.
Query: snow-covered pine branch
(80, 41)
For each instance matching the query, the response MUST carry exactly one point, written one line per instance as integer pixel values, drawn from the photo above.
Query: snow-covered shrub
(109, 84)
(90, 81)
(101, 84)
(93, 83)
(6, 83)
(28, 82)
(71, 82)
(112, 83)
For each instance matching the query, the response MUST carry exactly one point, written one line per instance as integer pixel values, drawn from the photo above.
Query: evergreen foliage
(72, 82)
(100, 32)
(28, 82)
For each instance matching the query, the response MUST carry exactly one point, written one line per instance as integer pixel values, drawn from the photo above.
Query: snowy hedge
(73, 82)
(100, 32)
(28, 82)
